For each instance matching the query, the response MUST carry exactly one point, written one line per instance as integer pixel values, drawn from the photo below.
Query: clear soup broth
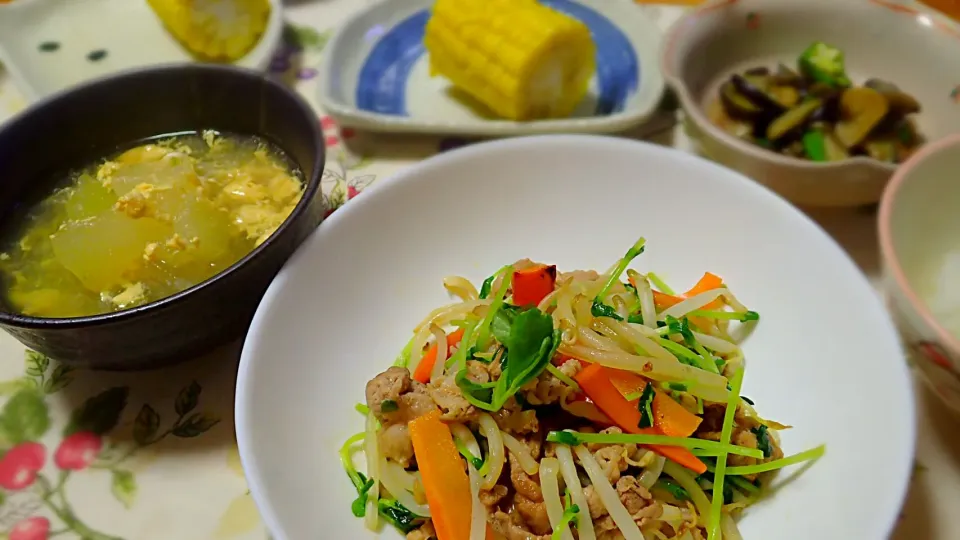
(147, 223)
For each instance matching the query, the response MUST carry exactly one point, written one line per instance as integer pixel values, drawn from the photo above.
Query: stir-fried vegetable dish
(816, 113)
(569, 405)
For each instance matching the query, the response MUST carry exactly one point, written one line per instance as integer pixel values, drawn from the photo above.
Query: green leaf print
(8, 388)
(100, 413)
(187, 398)
(124, 487)
(36, 363)
(24, 417)
(195, 424)
(59, 379)
(146, 425)
(307, 37)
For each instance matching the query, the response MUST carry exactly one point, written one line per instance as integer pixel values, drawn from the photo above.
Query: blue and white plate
(376, 74)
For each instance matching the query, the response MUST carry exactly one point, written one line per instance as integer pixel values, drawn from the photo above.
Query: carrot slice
(671, 418)
(531, 285)
(422, 373)
(708, 282)
(595, 381)
(445, 482)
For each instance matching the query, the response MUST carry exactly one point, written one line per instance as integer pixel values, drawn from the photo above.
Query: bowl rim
(311, 186)
(888, 252)
(695, 111)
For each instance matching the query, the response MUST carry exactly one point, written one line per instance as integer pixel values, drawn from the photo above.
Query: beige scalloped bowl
(915, 49)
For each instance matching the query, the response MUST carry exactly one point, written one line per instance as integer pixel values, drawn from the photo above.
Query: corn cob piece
(214, 30)
(522, 60)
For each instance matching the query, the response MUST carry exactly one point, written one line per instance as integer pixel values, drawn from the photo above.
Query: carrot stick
(671, 418)
(595, 381)
(445, 482)
(531, 285)
(422, 373)
(664, 300)
(708, 282)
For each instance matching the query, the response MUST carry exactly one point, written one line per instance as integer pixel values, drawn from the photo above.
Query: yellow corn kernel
(522, 60)
(214, 30)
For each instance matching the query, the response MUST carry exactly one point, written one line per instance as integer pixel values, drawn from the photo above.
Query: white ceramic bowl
(920, 243)
(906, 44)
(824, 355)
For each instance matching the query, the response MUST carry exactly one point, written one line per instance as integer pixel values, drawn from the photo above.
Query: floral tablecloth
(153, 456)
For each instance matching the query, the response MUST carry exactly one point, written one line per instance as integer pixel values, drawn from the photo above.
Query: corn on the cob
(521, 59)
(215, 30)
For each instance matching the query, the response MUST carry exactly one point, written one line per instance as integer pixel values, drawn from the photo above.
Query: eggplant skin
(781, 106)
(758, 96)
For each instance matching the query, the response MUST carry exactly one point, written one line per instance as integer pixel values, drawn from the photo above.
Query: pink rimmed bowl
(920, 242)
(915, 48)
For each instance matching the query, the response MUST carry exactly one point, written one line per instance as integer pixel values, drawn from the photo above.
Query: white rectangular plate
(49, 45)
(375, 74)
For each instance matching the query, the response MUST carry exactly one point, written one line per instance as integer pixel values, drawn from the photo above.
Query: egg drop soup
(147, 223)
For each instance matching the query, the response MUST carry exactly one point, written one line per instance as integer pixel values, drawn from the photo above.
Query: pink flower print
(78, 451)
(19, 467)
(332, 133)
(34, 528)
(356, 185)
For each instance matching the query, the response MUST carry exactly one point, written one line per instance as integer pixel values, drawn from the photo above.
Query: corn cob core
(215, 30)
(522, 60)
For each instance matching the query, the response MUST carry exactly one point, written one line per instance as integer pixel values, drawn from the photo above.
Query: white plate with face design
(50, 45)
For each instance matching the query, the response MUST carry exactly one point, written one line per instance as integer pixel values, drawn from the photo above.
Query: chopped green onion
(458, 360)
(569, 515)
(713, 528)
(703, 360)
(488, 284)
(726, 315)
(808, 455)
(687, 481)
(572, 438)
(676, 386)
(660, 284)
(682, 353)
(742, 484)
(362, 409)
(483, 331)
(388, 406)
(598, 308)
(645, 405)
(563, 377)
(358, 479)
(635, 250)
(674, 489)
(467, 454)
(399, 516)
(763, 440)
